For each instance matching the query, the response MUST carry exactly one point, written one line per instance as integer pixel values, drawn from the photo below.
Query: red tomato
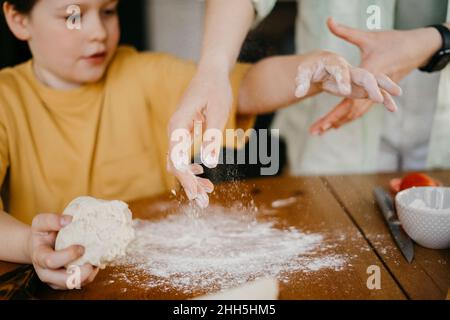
(417, 180)
(413, 180)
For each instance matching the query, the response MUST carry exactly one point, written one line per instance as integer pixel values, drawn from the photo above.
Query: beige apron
(439, 150)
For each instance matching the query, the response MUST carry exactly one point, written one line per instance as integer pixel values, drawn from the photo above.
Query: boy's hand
(335, 75)
(394, 53)
(208, 101)
(48, 263)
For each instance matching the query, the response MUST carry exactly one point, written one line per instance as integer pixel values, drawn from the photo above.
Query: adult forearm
(430, 40)
(14, 237)
(227, 23)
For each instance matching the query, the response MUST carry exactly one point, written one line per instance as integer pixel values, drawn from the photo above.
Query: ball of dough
(103, 228)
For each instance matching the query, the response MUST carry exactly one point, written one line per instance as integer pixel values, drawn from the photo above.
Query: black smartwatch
(440, 60)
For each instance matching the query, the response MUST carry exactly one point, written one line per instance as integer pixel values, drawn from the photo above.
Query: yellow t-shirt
(108, 139)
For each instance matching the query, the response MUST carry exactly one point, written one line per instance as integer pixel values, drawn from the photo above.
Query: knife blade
(403, 241)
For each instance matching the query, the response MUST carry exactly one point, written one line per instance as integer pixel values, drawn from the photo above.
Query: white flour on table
(219, 250)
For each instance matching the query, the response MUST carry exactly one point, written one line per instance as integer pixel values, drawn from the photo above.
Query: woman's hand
(207, 102)
(48, 263)
(393, 53)
(333, 74)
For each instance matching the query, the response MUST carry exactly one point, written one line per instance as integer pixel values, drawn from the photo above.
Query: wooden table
(340, 206)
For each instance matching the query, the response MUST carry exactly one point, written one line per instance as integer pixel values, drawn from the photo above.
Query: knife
(403, 241)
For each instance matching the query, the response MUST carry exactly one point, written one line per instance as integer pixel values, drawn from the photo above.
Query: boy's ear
(17, 22)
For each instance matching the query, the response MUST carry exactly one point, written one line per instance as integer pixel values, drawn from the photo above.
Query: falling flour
(219, 250)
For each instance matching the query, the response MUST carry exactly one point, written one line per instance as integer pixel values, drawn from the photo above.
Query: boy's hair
(22, 6)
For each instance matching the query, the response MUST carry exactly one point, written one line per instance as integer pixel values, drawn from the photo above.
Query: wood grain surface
(340, 208)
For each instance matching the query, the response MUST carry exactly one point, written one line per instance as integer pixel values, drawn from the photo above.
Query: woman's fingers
(206, 184)
(188, 182)
(346, 111)
(352, 35)
(326, 122)
(202, 199)
(196, 188)
(217, 113)
(196, 169)
(358, 109)
(203, 188)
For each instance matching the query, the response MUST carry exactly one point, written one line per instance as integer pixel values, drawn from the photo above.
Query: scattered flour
(284, 202)
(219, 250)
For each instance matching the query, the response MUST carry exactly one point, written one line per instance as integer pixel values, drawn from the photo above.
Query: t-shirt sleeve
(166, 79)
(4, 162)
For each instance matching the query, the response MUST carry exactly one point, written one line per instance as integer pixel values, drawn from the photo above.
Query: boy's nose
(97, 30)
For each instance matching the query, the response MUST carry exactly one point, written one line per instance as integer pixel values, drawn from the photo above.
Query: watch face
(442, 63)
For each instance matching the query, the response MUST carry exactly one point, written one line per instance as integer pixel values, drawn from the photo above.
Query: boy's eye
(109, 12)
(72, 16)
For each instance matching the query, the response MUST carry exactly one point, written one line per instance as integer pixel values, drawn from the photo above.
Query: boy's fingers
(47, 258)
(330, 86)
(389, 102)
(87, 274)
(389, 85)
(64, 257)
(340, 72)
(47, 222)
(368, 81)
(74, 277)
(56, 279)
(303, 80)
(92, 275)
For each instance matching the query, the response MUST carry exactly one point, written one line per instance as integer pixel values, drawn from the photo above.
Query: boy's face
(67, 55)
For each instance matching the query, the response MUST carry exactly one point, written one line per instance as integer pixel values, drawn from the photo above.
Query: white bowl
(424, 213)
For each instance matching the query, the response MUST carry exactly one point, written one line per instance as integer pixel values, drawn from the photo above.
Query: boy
(84, 117)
